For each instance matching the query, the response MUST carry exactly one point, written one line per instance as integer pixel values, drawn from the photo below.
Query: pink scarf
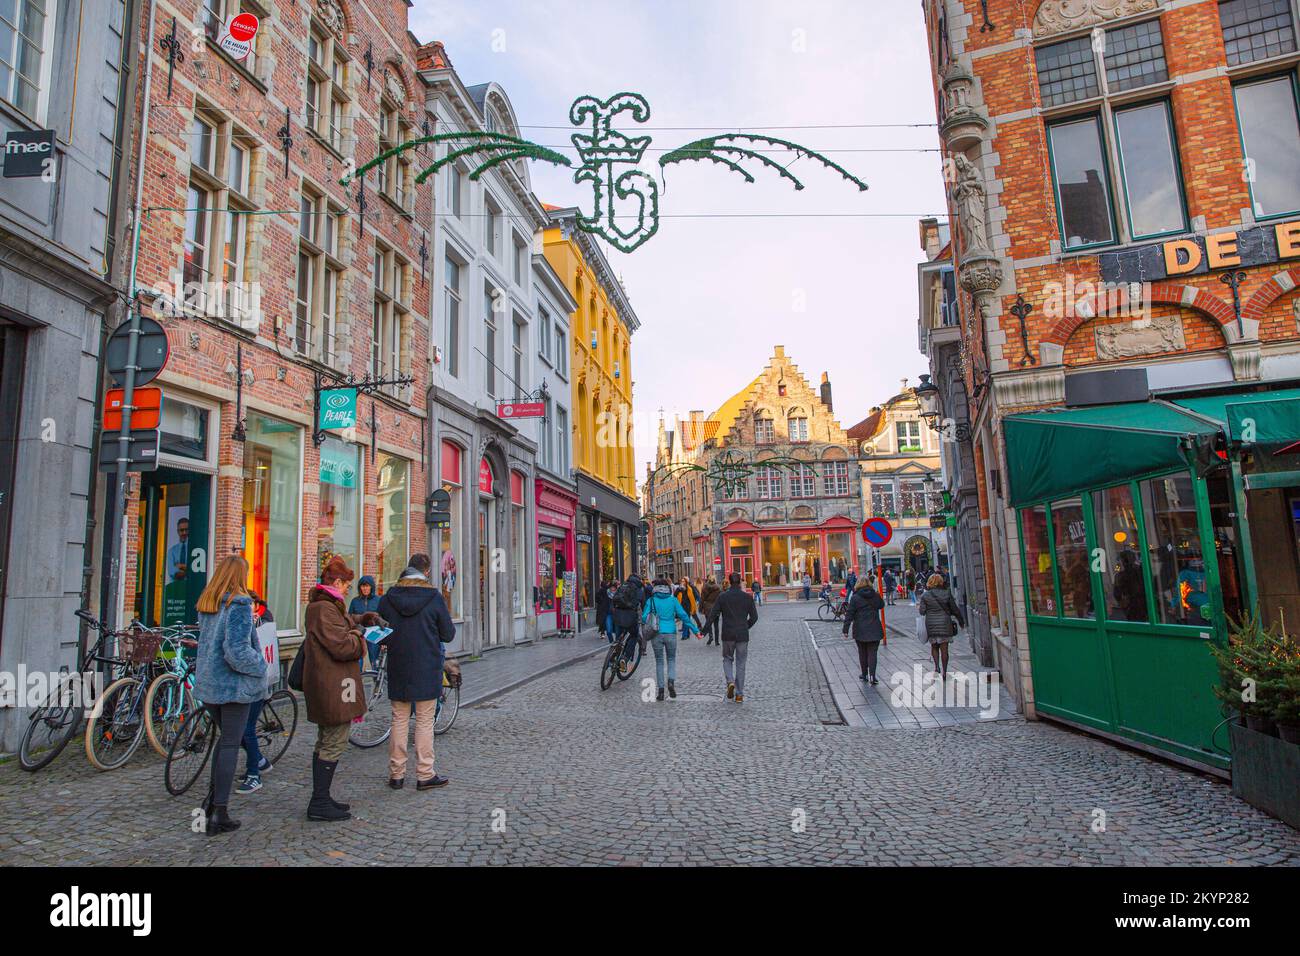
(329, 590)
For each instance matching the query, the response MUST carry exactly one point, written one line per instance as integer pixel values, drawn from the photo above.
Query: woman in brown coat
(709, 595)
(331, 681)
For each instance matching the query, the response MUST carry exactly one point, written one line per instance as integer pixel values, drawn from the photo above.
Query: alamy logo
(77, 909)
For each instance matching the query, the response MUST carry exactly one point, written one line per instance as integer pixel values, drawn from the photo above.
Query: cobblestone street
(577, 776)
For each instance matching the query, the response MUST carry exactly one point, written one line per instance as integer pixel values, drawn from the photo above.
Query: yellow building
(601, 330)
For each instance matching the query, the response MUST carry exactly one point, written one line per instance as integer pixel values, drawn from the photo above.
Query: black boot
(321, 806)
(219, 821)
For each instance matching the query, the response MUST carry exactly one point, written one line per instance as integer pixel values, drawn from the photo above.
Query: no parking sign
(877, 532)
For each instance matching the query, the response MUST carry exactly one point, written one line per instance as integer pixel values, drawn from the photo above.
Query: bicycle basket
(452, 670)
(137, 646)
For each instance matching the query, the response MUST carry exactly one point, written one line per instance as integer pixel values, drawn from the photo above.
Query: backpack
(625, 598)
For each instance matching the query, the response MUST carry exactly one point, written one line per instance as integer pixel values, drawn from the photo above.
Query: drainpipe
(115, 537)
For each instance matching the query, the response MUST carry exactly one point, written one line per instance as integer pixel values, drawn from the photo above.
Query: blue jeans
(665, 644)
(609, 627)
(249, 742)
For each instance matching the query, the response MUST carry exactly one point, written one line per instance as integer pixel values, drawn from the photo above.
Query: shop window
(1041, 586)
(776, 560)
(1270, 138)
(608, 551)
(518, 546)
(272, 492)
(449, 543)
(1174, 544)
(393, 515)
(1256, 29)
(1122, 583)
(805, 557)
(1073, 559)
(839, 556)
(1218, 488)
(627, 552)
(338, 529)
(184, 430)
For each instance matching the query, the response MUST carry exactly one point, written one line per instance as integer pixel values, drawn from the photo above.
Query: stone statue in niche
(969, 194)
(1141, 337)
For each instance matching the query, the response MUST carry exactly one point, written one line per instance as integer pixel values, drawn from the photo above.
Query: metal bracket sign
(28, 153)
(338, 409)
(521, 410)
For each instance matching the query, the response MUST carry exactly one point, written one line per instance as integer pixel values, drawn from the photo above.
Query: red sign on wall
(521, 410)
(485, 476)
(244, 27)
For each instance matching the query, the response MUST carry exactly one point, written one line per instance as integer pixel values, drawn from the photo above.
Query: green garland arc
(709, 146)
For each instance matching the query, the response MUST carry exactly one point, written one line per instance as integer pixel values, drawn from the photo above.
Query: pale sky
(714, 295)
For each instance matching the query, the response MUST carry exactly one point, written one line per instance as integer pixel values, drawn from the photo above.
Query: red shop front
(779, 555)
(557, 509)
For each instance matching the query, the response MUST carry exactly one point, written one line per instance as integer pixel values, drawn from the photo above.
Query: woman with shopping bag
(938, 617)
(863, 615)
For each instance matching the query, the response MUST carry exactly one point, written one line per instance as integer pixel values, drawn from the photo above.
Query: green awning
(1058, 453)
(1253, 418)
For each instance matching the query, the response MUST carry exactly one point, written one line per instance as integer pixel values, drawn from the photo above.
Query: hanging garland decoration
(604, 148)
(728, 473)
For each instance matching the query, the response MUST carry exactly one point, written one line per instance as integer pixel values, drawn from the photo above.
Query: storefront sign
(570, 592)
(28, 153)
(338, 465)
(1197, 255)
(338, 408)
(485, 476)
(521, 410)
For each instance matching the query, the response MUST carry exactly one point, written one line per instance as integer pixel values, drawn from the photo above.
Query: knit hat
(336, 569)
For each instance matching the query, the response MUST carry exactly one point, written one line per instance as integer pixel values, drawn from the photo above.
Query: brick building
(274, 282)
(773, 521)
(1124, 186)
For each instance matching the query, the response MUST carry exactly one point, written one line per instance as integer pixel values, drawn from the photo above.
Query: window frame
(329, 88)
(1116, 236)
(1293, 74)
(1277, 58)
(45, 72)
(1168, 105)
(321, 248)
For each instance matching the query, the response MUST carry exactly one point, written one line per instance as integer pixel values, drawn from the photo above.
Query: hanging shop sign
(521, 410)
(237, 38)
(338, 409)
(28, 153)
(610, 161)
(1197, 255)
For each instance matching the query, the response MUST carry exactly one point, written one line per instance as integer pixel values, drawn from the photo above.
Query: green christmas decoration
(728, 473)
(618, 193)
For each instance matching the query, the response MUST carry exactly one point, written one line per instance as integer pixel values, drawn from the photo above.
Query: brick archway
(1272, 290)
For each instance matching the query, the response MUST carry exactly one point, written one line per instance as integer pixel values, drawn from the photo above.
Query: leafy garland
(710, 147)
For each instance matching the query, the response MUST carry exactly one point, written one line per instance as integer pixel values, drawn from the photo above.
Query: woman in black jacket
(604, 611)
(864, 615)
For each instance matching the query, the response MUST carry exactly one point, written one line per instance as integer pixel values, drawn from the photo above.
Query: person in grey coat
(863, 615)
(940, 610)
(229, 676)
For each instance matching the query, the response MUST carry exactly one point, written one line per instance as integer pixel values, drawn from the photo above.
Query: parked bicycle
(57, 720)
(376, 724)
(832, 609)
(622, 659)
(191, 747)
(116, 725)
(171, 695)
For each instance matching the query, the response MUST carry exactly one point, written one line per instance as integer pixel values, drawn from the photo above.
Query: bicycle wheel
(276, 725)
(189, 752)
(628, 667)
(447, 710)
(116, 725)
(52, 725)
(166, 706)
(610, 667)
(826, 613)
(377, 723)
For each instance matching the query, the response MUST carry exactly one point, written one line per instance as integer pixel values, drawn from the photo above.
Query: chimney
(826, 392)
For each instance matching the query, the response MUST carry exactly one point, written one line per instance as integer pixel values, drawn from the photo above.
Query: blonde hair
(229, 580)
(934, 581)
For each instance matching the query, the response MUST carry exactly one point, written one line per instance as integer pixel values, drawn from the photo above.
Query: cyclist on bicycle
(627, 601)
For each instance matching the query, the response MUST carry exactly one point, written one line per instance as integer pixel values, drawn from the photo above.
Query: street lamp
(927, 394)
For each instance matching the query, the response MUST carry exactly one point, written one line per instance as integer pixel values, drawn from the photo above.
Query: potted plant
(1245, 672)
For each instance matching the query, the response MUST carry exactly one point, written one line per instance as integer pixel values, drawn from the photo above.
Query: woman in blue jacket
(668, 610)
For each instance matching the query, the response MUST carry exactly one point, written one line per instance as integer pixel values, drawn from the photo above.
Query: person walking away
(229, 676)
(255, 764)
(863, 615)
(626, 604)
(890, 584)
(709, 595)
(737, 612)
(695, 595)
(807, 586)
(331, 682)
(685, 595)
(757, 587)
(940, 610)
(909, 584)
(604, 612)
(365, 602)
(668, 610)
(851, 581)
(421, 624)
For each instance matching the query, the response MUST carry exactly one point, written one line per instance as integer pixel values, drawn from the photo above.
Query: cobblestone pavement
(906, 697)
(557, 772)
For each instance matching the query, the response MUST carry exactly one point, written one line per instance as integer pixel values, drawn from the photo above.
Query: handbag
(294, 677)
(269, 646)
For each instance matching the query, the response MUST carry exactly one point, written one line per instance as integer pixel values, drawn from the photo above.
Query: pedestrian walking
(942, 617)
(863, 616)
(331, 681)
(365, 602)
(421, 624)
(255, 763)
(686, 597)
(890, 585)
(668, 609)
(709, 595)
(757, 587)
(605, 611)
(909, 583)
(807, 586)
(737, 612)
(229, 676)
(851, 581)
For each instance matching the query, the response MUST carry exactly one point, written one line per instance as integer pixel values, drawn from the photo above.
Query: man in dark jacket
(738, 614)
(421, 624)
(628, 600)
(863, 614)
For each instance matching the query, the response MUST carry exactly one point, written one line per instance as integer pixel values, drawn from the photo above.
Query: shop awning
(1256, 418)
(1057, 453)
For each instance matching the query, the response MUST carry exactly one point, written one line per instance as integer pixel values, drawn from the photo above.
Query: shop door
(173, 563)
(743, 564)
(487, 579)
